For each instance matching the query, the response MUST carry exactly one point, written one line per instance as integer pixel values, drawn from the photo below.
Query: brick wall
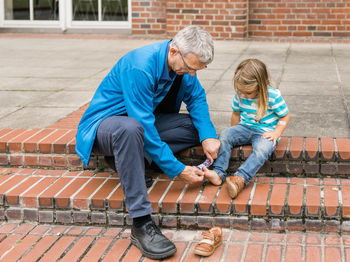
(225, 19)
(239, 19)
(310, 18)
(148, 17)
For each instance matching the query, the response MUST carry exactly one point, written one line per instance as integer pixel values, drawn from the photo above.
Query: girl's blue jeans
(241, 135)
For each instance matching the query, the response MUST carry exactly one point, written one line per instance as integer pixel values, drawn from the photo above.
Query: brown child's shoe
(211, 240)
(235, 184)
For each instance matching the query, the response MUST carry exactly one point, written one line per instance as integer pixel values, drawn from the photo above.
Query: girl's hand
(272, 136)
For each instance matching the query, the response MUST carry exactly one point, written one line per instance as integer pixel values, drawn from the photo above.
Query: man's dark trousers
(123, 138)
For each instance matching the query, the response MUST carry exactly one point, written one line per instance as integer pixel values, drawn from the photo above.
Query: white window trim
(65, 20)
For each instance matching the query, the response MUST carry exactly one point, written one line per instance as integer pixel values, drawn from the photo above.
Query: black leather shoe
(152, 243)
(110, 161)
(148, 179)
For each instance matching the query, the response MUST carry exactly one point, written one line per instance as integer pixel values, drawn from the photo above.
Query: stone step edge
(61, 196)
(55, 148)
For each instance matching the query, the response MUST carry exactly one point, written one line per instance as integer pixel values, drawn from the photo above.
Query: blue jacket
(136, 85)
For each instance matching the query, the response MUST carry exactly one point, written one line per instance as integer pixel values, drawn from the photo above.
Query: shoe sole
(136, 243)
(206, 254)
(232, 190)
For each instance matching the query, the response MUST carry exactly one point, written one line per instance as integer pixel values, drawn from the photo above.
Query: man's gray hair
(195, 40)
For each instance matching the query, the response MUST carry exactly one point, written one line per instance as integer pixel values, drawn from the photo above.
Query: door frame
(65, 19)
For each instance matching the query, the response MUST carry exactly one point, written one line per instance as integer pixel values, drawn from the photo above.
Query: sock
(140, 221)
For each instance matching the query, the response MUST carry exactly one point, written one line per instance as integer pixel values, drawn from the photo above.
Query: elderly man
(134, 115)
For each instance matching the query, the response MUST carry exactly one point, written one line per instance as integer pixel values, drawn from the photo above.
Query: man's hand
(191, 175)
(211, 148)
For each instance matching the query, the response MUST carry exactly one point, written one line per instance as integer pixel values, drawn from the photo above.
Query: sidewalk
(45, 78)
(29, 242)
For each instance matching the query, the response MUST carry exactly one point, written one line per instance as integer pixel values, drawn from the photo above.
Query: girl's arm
(235, 118)
(281, 126)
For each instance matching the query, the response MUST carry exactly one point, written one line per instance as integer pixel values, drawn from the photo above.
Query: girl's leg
(262, 149)
(229, 138)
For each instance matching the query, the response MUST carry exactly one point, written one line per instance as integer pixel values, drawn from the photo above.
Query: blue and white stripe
(248, 107)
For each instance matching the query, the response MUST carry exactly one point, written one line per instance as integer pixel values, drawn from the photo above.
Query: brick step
(55, 149)
(267, 203)
(29, 242)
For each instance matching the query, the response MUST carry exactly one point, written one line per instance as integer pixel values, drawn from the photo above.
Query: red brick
(206, 200)
(296, 148)
(331, 200)
(4, 132)
(74, 161)
(235, 251)
(190, 256)
(20, 248)
(45, 145)
(311, 148)
(98, 199)
(156, 194)
(117, 250)
(63, 198)
(343, 146)
(313, 254)
(97, 249)
(15, 144)
(277, 199)
(8, 227)
(188, 199)
(313, 200)
(246, 151)
(332, 254)
(346, 201)
(294, 254)
(327, 148)
(9, 242)
(240, 203)
(93, 231)
(281, 148)
(46, 198)
(60, 145)
(23, 229)
(223, 201)
(30, 160)
(169, 203)
(253, 251)
(295, 199)
(273, 253)
(39, 248)
(12, 197)
(31, 144)
(71, 146)
(9, 135)
(115, 201)
(57, 249)
(133, 254)
(259, 201)
(11, 183)
(78, 249)
(16, 160)
(82, 199)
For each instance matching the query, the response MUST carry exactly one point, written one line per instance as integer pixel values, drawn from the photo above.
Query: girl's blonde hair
(251, 75)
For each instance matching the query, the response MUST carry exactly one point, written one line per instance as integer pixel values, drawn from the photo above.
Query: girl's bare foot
(212, 176)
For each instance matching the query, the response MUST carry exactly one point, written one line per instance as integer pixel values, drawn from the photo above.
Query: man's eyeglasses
(189, 69)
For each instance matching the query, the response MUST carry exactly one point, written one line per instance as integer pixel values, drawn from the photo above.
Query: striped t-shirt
(248, 107)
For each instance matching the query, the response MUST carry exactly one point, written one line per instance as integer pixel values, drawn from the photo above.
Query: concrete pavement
(44, 78)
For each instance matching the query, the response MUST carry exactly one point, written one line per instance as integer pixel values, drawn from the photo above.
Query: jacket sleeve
(197, 106)
(138, 91)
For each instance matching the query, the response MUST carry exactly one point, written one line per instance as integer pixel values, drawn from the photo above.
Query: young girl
(259, 117)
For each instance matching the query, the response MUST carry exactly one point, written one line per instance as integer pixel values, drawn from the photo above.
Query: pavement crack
(340, 87)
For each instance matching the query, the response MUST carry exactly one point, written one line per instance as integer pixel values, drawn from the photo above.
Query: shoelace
(152, 229)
